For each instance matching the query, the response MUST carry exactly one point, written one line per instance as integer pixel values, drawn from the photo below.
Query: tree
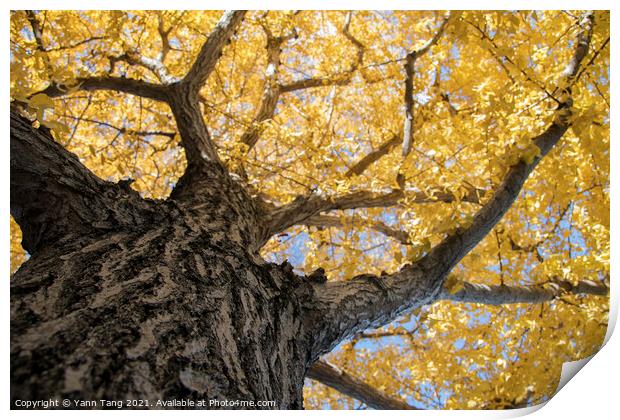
(443, 177)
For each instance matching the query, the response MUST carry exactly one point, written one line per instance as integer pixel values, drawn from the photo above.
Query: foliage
(481, 92)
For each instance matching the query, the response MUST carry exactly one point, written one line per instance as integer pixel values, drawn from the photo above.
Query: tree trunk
(150, 299)
(170, 310)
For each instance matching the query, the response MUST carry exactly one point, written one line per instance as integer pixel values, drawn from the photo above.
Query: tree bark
(170, 304)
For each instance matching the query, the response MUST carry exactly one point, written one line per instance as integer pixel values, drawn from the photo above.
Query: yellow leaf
(41, 100)
(530, 154)
(453, 285)
(57, 127)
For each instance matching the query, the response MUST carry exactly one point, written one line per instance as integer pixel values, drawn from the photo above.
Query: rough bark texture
(171, 310)
(168, 306)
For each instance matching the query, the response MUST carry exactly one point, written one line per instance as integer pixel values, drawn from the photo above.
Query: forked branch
(273, 89)
(211, 50)
(200, 149)
(348, 384)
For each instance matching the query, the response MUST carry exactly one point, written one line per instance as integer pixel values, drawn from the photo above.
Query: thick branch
(347, 384)
(502, 295)
(369, 300)
(467, 292)
(54, 197)
(343, 308)
(199, 148)
(211, 50)
(119, 84)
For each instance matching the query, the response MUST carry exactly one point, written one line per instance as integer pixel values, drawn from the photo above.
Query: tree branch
(342, 308)
(334, 221)
(271, 90)
(211, 50)
(123, 130)
(358, 45)
(164, 35)
(374, 156)
(591, 61)
(37, 32)
(303, 208)
(502, 295)
(409, 75)
(347, 384)
(119, 84)
(584, 37)
(334, 80)
(534, 247)
(467, 292)
(200, 149)
(338, 79)
(204, 168)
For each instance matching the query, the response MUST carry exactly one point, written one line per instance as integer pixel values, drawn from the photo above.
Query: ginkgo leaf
(41, 100)
(453, 285)
(58, 128)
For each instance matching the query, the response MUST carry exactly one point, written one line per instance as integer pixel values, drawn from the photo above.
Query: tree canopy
(370, 137)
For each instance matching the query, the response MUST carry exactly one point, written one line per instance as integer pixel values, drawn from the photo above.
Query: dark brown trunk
(171, 310)
(126, 298)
